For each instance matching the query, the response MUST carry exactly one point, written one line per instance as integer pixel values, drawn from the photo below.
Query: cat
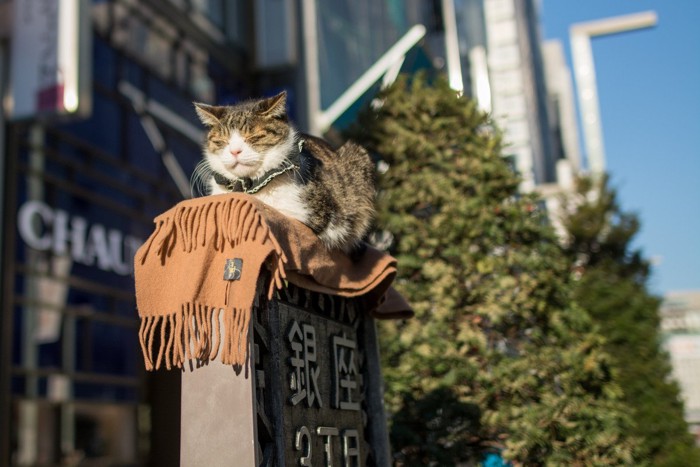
(251, 147)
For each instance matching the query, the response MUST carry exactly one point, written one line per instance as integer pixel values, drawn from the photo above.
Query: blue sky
(649, 92)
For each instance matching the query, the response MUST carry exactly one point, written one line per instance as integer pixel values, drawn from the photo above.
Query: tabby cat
(252, 148)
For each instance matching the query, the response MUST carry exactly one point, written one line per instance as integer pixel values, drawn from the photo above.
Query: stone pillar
(217, 426)
(310, 395)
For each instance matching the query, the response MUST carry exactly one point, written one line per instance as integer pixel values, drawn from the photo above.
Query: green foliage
(437, 429)
(495, 321)
(612, 286)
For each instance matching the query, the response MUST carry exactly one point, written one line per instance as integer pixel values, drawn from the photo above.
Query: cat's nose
(235, 152)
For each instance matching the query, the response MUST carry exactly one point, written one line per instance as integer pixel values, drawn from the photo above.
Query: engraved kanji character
(347, 378)
(303, 380)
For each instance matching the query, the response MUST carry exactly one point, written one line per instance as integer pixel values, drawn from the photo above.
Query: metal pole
(617, 24)
(6, 310)
(454, 65)
(311, 68)
(584, 72)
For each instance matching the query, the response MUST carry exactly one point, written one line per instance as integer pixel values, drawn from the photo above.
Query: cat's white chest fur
(283, 195)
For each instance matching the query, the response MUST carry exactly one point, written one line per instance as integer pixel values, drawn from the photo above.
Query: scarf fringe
(195, 331)
(235, 220)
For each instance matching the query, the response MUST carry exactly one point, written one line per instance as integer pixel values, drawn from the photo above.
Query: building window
(136, 30)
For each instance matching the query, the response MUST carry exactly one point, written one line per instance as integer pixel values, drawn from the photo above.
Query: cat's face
(248, 139)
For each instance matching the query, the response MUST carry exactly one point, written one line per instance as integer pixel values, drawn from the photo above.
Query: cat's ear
(275, 106)
(210, 115)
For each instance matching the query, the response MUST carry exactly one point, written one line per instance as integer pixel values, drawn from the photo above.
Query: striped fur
(336, 199)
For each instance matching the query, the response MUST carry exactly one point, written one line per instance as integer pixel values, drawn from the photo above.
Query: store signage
(51, 61)
(323, 390)
(47, 229)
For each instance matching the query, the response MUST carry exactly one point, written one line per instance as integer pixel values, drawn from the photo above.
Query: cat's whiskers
(199, 179)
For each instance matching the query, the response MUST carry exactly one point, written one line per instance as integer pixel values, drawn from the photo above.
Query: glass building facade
(352, 35)
(79, 198)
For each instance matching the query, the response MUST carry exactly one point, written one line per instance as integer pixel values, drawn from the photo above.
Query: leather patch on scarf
(233, 269)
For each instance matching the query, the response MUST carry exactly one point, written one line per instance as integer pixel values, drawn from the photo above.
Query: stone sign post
(310, 394)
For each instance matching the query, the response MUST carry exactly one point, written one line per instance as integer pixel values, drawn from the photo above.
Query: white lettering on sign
(349, 441)
(346, 376)
(46, 229)
(303, 433)
(304, 379)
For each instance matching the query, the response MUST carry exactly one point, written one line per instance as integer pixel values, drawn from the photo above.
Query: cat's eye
(218, 141)
(255, 138)
(217, 137)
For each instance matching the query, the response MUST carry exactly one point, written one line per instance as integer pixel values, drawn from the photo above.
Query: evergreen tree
(612, 278)
(496, 330)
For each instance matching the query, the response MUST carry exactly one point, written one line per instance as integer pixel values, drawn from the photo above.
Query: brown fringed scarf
(181, 289)
(196, 277)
